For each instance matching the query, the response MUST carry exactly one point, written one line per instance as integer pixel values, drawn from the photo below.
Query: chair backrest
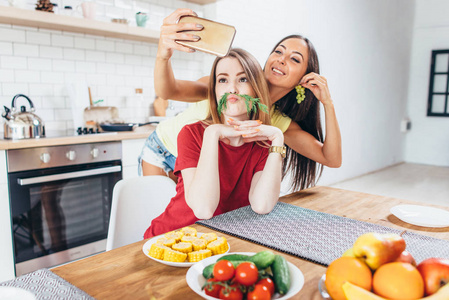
(135, 202)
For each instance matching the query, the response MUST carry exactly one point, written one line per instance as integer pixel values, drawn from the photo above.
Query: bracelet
(282, 150)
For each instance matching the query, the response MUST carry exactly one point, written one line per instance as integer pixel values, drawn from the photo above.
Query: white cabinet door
(130, 151)
(6, 251)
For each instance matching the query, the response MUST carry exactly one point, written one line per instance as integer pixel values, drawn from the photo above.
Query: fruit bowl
(322, 288)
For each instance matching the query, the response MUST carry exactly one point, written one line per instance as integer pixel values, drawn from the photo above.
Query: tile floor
(414, 182)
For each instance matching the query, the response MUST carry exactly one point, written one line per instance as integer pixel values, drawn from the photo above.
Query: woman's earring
(301, 93)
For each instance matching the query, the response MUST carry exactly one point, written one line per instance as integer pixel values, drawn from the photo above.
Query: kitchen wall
(364, 51)
(428, 141)
(41, 63)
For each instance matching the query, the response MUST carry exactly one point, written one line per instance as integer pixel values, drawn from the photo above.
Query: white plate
(146, 247)
(13, 293)
(421, 215)
(322, 288)
(195, 279)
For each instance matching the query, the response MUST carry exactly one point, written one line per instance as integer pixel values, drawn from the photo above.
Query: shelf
(39, 19)
(201, 1)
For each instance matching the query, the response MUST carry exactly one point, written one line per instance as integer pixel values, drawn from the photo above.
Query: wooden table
(126, 273)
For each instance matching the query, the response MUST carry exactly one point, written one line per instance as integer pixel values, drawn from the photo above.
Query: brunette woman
(292, 62)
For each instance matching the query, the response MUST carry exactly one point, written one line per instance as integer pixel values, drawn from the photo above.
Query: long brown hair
(255, 77)
(307, 114)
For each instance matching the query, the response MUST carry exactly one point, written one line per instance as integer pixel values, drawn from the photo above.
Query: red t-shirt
(236, 165)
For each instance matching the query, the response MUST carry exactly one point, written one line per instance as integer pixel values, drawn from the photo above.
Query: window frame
(431, 83)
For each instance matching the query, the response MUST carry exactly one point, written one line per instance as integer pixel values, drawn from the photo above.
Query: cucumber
(208, 271)
(281, 274)
(234, 257)
(263, 259)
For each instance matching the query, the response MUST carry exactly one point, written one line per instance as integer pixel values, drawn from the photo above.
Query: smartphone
(216, 38)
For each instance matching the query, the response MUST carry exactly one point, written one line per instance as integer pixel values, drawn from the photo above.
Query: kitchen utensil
(99, 114)
(123, 126)
(23, 124)
(141, 19)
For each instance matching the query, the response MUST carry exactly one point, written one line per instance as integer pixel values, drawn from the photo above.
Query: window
(439, 84)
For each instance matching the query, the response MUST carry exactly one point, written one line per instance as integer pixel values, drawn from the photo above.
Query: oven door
(60, 214)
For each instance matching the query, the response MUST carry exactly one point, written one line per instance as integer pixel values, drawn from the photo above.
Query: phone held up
(215, 38)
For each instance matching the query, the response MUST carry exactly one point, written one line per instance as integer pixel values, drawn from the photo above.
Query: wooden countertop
(126, 273)
(138, 133)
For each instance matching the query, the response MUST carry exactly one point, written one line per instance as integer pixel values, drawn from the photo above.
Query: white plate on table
(146, 247)
(421, 215)
(13, 293)
(195, 279)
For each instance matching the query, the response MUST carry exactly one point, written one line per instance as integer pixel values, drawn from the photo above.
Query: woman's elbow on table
(262, 208)
(203, 213)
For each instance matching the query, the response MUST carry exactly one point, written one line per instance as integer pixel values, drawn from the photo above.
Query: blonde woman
(217, 170)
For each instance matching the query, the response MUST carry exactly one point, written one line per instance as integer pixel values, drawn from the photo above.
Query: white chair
(135, 202)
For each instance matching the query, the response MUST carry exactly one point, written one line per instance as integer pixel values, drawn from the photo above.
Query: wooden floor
(414, 182)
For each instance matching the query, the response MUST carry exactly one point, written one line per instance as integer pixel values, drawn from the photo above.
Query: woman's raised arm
(165, 83)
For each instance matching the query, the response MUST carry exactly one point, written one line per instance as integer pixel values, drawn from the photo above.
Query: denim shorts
(155, 153)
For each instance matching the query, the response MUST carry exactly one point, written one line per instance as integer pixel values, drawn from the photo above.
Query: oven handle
(70, 175)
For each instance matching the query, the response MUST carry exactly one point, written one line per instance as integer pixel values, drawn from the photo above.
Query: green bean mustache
(252, 104)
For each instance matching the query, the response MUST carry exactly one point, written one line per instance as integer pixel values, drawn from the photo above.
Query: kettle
(23, 124)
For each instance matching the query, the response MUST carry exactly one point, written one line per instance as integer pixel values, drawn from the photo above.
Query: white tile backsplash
(5, 48)
(41, 62)
(13, 62)
(39, 38)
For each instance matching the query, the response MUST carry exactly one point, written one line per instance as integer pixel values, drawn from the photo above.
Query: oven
(60, 199)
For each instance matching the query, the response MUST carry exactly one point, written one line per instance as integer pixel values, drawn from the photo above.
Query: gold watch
(282, 150)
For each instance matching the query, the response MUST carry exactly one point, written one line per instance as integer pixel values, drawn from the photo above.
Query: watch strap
(282, 150)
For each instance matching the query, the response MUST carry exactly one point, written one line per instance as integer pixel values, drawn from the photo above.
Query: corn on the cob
(177, 235)
(199, 244)
(174, 256)
(184, 247)
(157, 251)
(188, 239)
(166, 241)
(219, 246)
(209, 237)
(190, 231)
(198, 255)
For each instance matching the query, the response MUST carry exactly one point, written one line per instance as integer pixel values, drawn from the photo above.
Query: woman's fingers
(244, 124)
(174, 16)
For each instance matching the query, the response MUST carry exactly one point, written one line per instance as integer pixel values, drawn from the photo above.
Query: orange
(398, 281)
(346, 269)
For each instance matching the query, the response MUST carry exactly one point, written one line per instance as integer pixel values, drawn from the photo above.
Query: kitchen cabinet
(34, 18)
(130, 152)
(6, 254)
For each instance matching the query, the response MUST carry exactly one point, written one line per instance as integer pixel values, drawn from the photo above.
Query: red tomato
(246, 273)
(260, 292)
(223, 270)
(268, 283)
(231, 293)
(212, 289)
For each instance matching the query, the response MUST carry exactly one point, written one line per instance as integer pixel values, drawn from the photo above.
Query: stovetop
(75, 132)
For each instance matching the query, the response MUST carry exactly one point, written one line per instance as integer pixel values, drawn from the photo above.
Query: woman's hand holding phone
(171, 30)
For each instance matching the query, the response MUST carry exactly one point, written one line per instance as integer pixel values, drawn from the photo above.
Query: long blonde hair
(256, 78)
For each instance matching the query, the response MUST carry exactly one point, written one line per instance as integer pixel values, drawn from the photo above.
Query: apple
(406, 257)
(349, 252)
(435, 272)
(376, 249)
